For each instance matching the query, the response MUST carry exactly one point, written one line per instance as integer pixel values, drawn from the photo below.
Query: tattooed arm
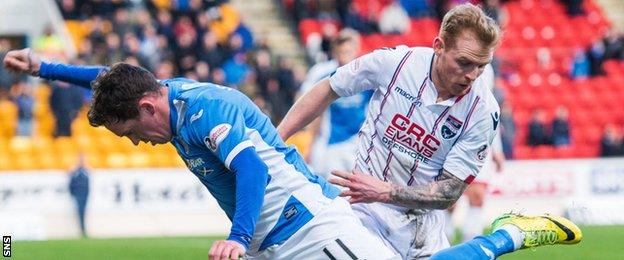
(440, 194)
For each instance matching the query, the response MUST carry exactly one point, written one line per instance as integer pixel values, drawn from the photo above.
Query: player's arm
(223, 133)
(364, 188)
(251, 178)
(356, 76)
(25, 61)
(307, 108)
(439, 194)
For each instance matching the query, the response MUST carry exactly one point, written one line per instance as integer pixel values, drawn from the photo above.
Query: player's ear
(438, 45)
(147, 106)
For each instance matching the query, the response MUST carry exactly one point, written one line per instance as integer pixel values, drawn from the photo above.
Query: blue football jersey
(211, 124)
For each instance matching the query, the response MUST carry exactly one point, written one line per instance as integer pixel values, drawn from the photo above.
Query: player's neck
(443, 94)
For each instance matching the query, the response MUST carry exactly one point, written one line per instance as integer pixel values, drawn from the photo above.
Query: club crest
(451, 127)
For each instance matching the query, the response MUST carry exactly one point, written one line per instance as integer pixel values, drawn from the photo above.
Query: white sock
(473, 227)
(449, 228)
(515, 233)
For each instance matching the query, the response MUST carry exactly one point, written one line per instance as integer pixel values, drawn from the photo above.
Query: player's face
(459, 66)
(147, 128)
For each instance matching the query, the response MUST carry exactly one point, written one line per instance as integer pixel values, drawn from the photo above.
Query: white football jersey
(407, 137)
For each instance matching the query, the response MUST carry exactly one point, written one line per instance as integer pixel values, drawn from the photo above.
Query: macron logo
(197, 116)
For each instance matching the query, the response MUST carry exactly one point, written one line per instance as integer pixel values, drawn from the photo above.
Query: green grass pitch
(598, 243)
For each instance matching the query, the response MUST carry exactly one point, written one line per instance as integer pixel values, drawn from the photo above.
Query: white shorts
(411, 235)
(336, 233)
(339, 156)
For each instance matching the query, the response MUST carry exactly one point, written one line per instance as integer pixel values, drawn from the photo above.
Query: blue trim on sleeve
(251, 179)
(74, 74)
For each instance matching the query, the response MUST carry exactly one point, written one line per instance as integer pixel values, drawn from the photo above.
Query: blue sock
(481, 247)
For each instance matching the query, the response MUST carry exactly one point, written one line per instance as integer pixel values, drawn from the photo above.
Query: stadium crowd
(208, 41)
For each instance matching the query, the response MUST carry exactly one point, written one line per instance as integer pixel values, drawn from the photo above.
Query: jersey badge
(451, 127)
(482, 152)
(216, 136)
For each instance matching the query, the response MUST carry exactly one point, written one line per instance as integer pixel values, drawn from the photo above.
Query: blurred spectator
(596, 56)
(223, 21)
(580, 65)
(286, 80)
(164, 70)
(210, 52)
(614, 45)
(235, 69)
(79, 190)
(49, 45)
(121, 22)
(22, 96)
(277, 98)
(417, 8)
(611, 143)
(114, 52)
(561, 128)
(69, 10)
(508, 130)
(364, 25)
(573, 7)
(394, 20)
(65, 102)
(264, 71)
(7, 79)
(493, 10)
(329, 31)
(202, 69)
(217, 76)
(538, 134)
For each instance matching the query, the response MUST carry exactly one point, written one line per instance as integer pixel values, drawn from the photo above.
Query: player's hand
(226, 249)
(23, 61)
(362, 188)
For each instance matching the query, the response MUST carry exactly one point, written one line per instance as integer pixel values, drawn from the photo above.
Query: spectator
(580, 65)
(24, 101)
(7, 79)
(537, 129)
(614, 45)
(79, 191)
(65, 102)
(210, 52)
(561, 128)
(69, 10)
(286, 80)
(508, 130)
(394, 20)
(611, 143)
(49, 44)
(364, 25)
(596, 56)
(573, 7)
(235, 69)
(417, 8)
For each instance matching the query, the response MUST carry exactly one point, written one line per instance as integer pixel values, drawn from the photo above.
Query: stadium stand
(202, 40)
(534, 65)
(534, 68)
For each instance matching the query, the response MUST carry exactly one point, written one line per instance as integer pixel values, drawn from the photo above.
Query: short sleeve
(468, 154)
(365, 72)
(220, 127)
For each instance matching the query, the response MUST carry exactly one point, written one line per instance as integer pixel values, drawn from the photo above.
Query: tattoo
(439, 194)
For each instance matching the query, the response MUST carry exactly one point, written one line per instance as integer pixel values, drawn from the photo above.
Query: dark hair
(116, 93)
